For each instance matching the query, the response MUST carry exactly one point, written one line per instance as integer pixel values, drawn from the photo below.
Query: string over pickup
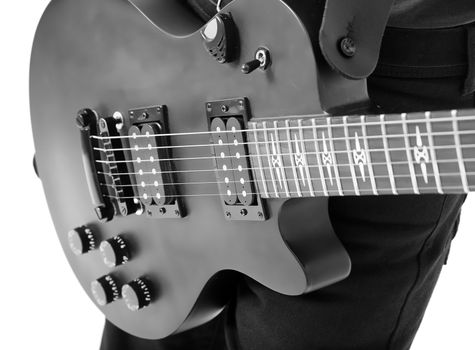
(227, 120)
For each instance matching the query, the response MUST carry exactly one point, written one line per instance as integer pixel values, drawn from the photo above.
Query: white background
(42, 306)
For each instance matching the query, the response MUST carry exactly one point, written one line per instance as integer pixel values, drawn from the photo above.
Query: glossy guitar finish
(105, 55)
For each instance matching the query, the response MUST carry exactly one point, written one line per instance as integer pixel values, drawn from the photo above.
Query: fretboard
(416, 153)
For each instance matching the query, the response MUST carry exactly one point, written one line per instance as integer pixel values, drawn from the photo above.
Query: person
(398, 245)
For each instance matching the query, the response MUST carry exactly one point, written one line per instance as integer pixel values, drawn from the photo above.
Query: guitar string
(368, 123)
(138, 160)
(422, 134)
(257, 181)
(441, 161)
(282, 194)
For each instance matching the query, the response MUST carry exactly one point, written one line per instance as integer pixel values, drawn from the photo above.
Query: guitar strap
(351, 35)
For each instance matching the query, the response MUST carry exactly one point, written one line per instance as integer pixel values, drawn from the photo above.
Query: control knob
(105, 290)
(81, 240)
(137, 294)
(115, 251)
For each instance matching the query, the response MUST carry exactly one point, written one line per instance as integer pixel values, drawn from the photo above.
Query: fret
(408, 154)
(330, 155)
(466, 125)
(463, 173)
(279, 156)
(433, 155)
(399, 150)
(270, 159)
(442, 125)
(388, 155)
(372, 179)
(305, 160)
(292, 159)
(351, 161)
(261, 182)
(327, 157)
(332, 149)
(362, 153)
(317, 156)
(266, 168)
(420, 150)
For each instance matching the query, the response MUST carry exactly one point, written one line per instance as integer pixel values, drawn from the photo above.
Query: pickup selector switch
(115, 251)
(81, 240)
(137, 294)
(105, 290)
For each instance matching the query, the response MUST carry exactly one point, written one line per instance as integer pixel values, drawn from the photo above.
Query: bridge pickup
(240, 200)
(150, 156)
(151, 165)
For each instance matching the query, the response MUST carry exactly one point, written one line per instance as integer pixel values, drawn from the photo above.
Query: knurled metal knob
(81, 240)
(105, 290)
(137, 294)
(115, 251)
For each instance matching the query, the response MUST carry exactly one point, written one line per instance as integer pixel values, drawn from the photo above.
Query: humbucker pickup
(227, 121)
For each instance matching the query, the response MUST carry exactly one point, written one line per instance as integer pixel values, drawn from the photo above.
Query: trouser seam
(394, 332)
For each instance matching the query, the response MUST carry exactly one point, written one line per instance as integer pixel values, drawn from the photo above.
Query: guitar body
(105, 55)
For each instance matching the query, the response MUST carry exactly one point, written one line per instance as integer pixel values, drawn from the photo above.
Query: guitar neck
(417, 153)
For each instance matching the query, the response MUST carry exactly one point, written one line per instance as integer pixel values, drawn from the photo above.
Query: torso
(431, 13)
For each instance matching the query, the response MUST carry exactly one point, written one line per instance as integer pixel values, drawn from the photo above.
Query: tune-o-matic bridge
(227, 120)
(127, 163)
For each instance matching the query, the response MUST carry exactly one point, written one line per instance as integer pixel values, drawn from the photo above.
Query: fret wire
(319, 162)
(435, 166)
(279, 155)
(408, 154)
(266, 139)
(292, 160)
(259, 162)
(388, 156)
(368, 154)
(332, 147)
(350, 158)
(304, 150)
(458, 149)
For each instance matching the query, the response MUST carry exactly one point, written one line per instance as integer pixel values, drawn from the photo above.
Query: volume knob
(137, 294)
(81, 240)
(105, 290)
(115, 251)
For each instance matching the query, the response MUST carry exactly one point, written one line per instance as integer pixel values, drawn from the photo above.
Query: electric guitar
(175, 153)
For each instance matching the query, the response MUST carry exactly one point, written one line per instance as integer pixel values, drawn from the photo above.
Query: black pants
(398, 245)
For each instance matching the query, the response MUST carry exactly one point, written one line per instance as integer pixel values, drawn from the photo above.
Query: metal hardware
(262, 61)
(348, 47)
(161, 201)
(228, 119)
(112, 179)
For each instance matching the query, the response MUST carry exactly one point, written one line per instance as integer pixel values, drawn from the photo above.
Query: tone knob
(115, 251)
(105, 290)
(81, 240)
(137, 294)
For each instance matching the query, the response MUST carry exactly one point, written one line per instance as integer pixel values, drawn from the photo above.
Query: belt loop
(470, 81)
